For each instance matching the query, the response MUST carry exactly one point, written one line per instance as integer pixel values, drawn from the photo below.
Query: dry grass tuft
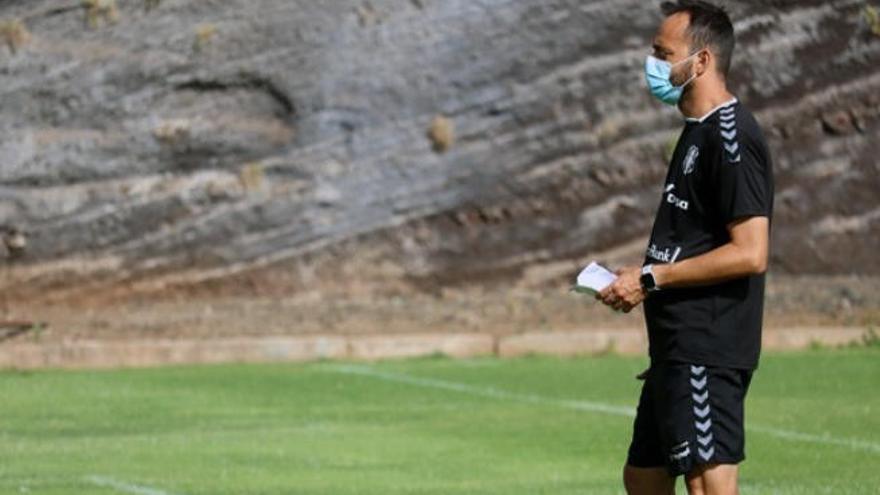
(205, 34)
(14, 33)
(872, 16)
(98, 11)
(252, 176)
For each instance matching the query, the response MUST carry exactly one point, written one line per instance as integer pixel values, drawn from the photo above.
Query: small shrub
(151, 4)
(14, 34)
(252, 177)
(205, 34)
(872, 16)
(437, 356)
(98, 11)
(871, 338)
(38, 330)
(816, 345)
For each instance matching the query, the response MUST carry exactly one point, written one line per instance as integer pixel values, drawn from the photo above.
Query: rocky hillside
(150, 143)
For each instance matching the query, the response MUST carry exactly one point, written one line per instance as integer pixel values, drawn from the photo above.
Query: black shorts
(689, 415)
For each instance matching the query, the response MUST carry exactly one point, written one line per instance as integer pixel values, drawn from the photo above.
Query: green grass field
(534, 425)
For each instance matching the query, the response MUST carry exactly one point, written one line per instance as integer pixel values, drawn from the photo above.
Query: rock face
(177, 142)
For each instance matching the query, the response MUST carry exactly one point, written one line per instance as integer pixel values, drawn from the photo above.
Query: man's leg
(647, 481)
(645, 472)
(713, 479)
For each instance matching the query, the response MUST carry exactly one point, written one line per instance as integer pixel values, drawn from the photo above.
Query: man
(702, 282)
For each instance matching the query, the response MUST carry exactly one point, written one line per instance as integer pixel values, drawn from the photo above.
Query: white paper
(594, 277)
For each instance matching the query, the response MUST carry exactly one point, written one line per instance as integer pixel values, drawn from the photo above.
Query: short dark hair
(710, 26)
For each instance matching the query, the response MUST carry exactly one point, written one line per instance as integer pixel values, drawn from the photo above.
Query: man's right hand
(626, 292)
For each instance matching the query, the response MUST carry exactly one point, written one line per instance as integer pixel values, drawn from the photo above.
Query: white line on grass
(124, 487)
(811, 438)
(485, 391)
(581, 405)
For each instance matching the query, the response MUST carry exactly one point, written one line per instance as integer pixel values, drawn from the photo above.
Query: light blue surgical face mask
(658, 72)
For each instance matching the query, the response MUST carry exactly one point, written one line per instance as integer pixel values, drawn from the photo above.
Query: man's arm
(746, 254)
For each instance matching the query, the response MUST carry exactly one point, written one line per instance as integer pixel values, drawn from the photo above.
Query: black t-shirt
(720, 171)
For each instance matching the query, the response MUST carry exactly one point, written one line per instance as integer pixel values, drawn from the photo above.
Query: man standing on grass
(702, 281)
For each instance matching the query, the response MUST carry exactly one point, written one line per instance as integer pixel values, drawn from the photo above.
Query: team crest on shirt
(690, 159)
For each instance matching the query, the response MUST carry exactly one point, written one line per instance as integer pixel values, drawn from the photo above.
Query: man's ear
(704, 61)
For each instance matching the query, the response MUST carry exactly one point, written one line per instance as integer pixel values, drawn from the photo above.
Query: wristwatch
(647, 279)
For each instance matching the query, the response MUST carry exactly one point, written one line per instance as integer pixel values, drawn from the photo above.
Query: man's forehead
(672, 33)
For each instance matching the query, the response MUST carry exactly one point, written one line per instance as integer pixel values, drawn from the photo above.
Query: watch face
(648, 281)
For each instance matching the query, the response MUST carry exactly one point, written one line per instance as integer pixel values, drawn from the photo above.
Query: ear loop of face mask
(690, 79)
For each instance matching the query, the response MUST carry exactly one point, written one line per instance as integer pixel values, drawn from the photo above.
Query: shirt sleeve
(743, 180)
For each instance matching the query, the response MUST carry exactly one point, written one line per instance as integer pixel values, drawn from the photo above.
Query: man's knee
(713, 479)
(647, 481)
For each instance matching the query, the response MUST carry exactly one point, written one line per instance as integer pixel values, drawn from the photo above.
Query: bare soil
(249, 310)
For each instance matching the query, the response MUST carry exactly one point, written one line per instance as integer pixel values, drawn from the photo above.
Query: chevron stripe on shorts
(702, 412)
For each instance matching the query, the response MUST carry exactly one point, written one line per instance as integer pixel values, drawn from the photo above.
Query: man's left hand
(626, 292)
